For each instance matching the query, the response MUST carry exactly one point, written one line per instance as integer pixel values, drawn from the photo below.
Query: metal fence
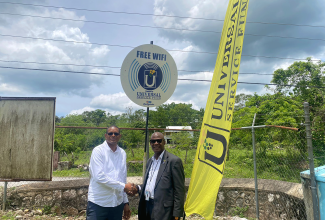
(270, 153)
(275, 152)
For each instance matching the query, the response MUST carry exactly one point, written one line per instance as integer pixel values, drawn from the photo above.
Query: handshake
(131, 189)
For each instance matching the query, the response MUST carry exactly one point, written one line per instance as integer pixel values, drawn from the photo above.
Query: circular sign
(149, 75)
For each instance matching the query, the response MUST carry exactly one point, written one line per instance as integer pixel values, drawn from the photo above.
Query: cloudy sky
(97, 42)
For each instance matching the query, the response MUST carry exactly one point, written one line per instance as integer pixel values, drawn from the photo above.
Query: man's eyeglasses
(111, 133)
(154, 141)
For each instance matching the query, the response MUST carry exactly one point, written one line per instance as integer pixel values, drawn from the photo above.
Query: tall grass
(277, 164)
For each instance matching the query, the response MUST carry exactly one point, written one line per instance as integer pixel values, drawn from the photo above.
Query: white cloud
(188, 8)
(181, 57)
(6, 88)
(116, 102)
(80, 111)
(194, 106)
(46, 51)
(68, 33)
(100, 51)
(283, 65)
(244, 91)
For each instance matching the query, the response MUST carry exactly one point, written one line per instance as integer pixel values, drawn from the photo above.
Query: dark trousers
(96, 212)
(149, 208)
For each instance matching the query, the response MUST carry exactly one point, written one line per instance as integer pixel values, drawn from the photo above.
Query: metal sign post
(4, 197)
(146, 144)
(149, 78)
(311, 162)
(255, 168)
(146, 147)
(147, 136)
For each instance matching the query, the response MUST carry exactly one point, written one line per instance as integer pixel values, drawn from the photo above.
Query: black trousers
(149, 208)
(96, 212)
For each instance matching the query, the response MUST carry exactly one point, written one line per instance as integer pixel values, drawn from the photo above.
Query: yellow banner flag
(211, 152)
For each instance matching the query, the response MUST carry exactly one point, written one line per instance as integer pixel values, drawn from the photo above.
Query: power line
(114, 67)
(62, 71)
(170, 16)
(156, 27)
(117, 45)
(63, 64)
(108, 74)
(67, 41)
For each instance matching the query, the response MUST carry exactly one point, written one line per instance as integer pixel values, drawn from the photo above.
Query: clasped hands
(130, 189)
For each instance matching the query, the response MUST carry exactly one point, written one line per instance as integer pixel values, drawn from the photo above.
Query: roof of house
(179, 127)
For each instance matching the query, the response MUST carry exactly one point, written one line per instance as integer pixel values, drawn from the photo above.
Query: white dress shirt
(152, 177)
(107, 176)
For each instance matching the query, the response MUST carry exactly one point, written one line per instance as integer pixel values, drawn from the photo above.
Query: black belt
(151, 201)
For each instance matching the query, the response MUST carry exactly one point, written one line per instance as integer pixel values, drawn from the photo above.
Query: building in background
(168, 133)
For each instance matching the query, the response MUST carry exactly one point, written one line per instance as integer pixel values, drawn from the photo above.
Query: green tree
(308, 76)
(240, 100)
(183, 141)
(132, 119)
(95, 117)
(76, 139)
(58, 119)
(275, 109)
(176, 115)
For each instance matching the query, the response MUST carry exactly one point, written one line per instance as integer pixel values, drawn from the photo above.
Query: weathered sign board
(27, 136)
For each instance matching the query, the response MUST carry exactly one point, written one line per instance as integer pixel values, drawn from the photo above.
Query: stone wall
(277, 199)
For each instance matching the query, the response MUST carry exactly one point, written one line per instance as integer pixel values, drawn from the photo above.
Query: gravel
(37, 214)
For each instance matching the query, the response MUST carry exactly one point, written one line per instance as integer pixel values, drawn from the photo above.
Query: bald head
(157, 143)
(157, 135)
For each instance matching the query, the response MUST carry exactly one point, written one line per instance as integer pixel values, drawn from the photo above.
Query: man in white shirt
(107, 199)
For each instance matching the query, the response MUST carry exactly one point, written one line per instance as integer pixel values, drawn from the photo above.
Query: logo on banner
(213, 149)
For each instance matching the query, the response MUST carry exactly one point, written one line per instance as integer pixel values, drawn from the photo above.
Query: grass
(74, 172)
(238, 211)
(82, 157)
(8, 215)
(277, 164)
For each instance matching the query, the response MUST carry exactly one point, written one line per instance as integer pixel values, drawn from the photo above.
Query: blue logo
(150, 76)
